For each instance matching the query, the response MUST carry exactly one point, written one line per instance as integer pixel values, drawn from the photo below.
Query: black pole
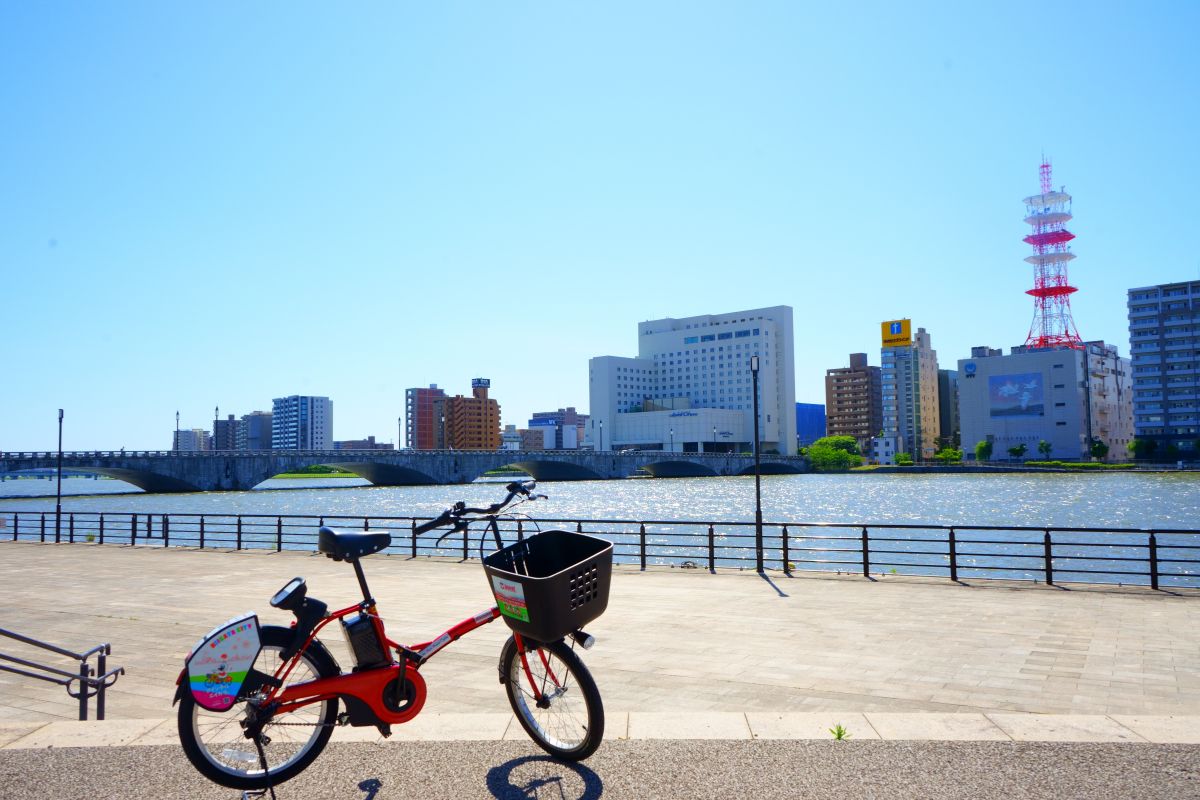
(58, 499)
(758, 532)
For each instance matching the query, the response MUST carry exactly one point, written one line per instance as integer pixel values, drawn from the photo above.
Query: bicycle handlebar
(456, 513)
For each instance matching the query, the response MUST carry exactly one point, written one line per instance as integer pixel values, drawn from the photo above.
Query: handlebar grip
(426, 527)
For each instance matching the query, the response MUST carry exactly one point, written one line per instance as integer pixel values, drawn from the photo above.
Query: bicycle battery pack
(364, 642)
(219, 663)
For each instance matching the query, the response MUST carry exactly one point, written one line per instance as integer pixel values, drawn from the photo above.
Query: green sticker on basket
(510, 597)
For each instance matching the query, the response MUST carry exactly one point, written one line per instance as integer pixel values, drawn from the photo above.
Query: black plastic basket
(552, 583)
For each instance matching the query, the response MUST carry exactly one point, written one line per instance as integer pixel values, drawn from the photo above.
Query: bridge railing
(1159, 558)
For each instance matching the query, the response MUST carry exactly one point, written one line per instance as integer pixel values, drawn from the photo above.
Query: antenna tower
(1048, 213)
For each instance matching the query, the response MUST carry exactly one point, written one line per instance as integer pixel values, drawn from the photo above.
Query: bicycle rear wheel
(554, 697)
(214, 741)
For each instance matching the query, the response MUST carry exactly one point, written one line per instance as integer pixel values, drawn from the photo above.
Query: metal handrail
(1050, 554)
(92, 682)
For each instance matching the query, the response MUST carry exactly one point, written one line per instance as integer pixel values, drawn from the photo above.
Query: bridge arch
(146, 481)
(678, 469)
(774, 468)
(547, 470)
(386, 474)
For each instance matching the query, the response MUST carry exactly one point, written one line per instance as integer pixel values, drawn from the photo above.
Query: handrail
(92, 682)
(1143, 556)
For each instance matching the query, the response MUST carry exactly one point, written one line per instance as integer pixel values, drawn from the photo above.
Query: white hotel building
(690, 388)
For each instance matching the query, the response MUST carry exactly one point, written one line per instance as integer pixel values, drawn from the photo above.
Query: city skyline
(355, 204)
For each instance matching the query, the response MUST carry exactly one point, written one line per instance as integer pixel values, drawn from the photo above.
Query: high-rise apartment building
(472, 423)
(690, 388)
(194, 440)
(254, 431)
(854, 401)
(1164, 341)
(423, 428)
(301, 422)
(225, 433)
(909, 382)
(1065, 396)
(949, 430)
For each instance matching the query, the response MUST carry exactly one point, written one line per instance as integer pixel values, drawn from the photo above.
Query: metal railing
(92, 682)
(1149, 557)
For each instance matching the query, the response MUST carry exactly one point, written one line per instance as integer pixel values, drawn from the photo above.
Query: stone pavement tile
(1063, 728)
(1163, 729)
(939, 727)
(110, 733)
(437, 727)
(683, 725)
(808, 725)
(11, 731)
(165, 732)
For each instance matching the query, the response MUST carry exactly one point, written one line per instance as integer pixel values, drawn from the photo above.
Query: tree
(949, 455)
(1098, 449)
(983, 450)
(904, 460)
(1044, 448)
(1142, 448)
(847, 443)
(1018, 451)
(825, 458)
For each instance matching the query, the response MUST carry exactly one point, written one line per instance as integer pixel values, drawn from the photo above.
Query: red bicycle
(258, 704)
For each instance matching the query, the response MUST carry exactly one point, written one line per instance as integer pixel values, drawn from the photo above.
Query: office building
(689, 389)
(254, 431)
(472, 423)
(810, 423)
(1164, 341)
(909, 383)
(563, 429)
(368, 443)
(854, 401)
(423, 429)
(1065, 396)
(301, 422)
(949, 433)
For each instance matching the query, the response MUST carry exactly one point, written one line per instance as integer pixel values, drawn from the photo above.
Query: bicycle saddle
(350, 545)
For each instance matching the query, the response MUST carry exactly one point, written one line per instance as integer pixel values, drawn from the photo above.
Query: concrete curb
(726, 726)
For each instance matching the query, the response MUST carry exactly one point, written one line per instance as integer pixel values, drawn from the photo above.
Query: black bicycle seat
(350, 545)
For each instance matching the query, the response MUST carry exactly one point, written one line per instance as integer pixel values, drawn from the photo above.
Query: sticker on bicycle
(510, 597)
(218, 665)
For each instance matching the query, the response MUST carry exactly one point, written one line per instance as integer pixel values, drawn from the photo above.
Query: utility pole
(758, 532)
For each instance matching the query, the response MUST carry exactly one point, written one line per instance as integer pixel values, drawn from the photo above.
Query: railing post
(239, 532)
(201, 531)
(166, 525)
(366, 523)
(16, 525)
(465, 545)
(43, 534)
(953, 558)
(71, 527)
(84, 674)
(520, 530)
(278, 534)
(101, 668)
(787, 567)
(414, 539)
(866, 553)
(101, 529)
(1153, 561)
(1048, 555)
(132, 529)
(642, 545)
(712, 549)
(578, 526)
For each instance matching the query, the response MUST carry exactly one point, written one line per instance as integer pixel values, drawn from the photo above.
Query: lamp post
(758, 534)
(714, 438)
(58, 498)
(672, 440)
(399, 431)
(601, 435)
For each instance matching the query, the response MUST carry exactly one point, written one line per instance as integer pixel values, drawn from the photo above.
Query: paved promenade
(925, 675)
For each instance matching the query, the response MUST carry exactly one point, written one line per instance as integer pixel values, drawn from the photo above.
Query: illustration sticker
(510, 596)
(218, 665)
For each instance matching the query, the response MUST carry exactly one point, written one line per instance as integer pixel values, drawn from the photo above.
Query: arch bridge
(239, 470)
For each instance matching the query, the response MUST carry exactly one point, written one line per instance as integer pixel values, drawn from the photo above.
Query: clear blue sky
(221, 203)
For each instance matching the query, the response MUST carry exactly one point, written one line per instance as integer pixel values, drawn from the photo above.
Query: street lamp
(672, 440)
(714, 438)
(601, 435)
(758, 533)
(58, 498)
(399, 431)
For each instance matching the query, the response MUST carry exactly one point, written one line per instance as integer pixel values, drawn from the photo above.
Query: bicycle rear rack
(92, 682)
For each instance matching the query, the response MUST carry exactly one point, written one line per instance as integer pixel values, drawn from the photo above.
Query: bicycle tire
(214, 743)
(570, 723)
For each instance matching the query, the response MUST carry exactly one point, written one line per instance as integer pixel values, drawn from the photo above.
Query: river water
(1110, 500)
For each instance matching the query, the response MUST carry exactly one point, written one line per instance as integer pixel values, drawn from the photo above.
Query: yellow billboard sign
(897, 333)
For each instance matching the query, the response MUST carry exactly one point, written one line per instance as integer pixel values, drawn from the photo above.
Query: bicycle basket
(552, 583)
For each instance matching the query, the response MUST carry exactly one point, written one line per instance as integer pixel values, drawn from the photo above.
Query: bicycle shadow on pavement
(543, 778)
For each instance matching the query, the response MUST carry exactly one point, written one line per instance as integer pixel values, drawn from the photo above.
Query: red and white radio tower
(1049, 213)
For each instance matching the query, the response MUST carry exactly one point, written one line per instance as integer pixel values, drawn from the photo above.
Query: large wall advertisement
(896, 333)
(1017, 395)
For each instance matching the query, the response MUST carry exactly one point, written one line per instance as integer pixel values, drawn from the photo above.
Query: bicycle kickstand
(262, 760)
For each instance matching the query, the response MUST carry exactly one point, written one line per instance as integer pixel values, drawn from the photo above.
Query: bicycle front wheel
(554, 697)
(214, 741)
